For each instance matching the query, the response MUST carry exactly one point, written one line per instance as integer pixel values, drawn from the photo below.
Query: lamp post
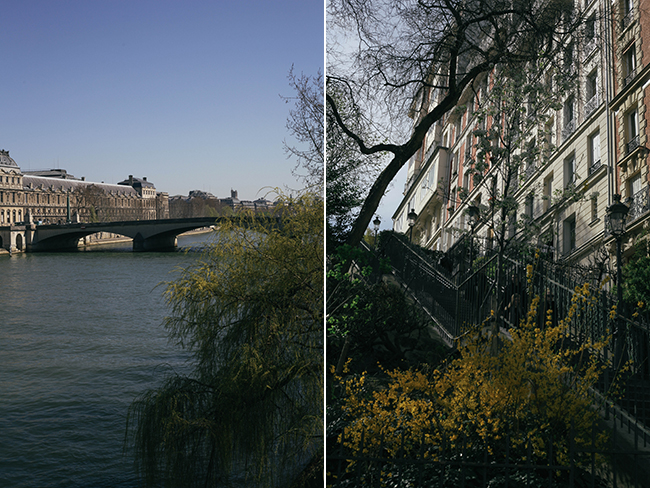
(617, 213)
(474, 213)
(412, 216)
(376, 224)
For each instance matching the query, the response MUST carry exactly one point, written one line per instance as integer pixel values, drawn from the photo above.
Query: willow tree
(385, 55)
(250, 312)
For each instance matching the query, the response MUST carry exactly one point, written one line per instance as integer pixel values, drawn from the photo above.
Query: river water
(80, 338)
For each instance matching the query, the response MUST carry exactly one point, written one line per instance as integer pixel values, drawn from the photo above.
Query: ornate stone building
(54, 196)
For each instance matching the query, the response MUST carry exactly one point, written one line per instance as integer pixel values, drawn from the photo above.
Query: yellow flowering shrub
(533, 389)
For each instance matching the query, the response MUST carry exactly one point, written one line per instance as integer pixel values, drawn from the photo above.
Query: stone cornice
(638, 81)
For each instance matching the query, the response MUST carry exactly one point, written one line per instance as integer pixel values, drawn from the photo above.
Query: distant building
(200, 203)
(235, 203)
(54, 196)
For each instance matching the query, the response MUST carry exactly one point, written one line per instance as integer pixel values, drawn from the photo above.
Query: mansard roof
(59, 184)
(137, 182)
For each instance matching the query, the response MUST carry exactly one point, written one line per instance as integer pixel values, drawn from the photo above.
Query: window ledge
(594, 222)
(639, 150)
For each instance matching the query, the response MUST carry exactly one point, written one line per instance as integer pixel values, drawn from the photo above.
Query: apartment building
(593, 145)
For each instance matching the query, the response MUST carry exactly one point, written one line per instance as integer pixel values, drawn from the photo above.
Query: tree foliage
(408, 48)
(636, 276)
(250, 312)
(375, 319)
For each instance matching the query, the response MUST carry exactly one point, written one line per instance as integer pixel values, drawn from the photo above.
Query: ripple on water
(80, 338)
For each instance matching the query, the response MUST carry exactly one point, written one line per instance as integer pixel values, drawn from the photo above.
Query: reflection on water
(192, 242)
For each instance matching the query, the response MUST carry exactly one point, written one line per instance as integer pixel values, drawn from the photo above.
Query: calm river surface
(80, 338)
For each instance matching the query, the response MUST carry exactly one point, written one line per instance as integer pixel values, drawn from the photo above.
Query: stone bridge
(147, 235)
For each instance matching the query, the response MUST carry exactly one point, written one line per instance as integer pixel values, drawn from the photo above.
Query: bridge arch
(147, 235)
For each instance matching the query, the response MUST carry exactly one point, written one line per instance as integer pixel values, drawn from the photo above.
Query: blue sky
(186, 93)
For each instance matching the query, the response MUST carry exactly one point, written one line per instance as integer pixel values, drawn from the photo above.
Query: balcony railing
(430, 151)
(590, 47)
(570, 69)
(632, 144)
(530, 171)
(591, 105)
(640, 204)
(411, 180)
(628, 79)
(627, 19)
(568, 129)
(594, 167)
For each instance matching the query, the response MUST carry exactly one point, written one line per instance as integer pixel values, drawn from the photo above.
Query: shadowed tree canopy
(349, 173)
(250, 312)
(416, 57)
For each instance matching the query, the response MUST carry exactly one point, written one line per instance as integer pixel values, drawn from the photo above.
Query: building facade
(54, 196)
(593, 146)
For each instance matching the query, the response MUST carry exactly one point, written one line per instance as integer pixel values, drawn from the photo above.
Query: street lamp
(617, 215)
(412, 216)
(376, 223)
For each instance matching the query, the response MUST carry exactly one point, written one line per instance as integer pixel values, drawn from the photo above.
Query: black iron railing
(595, 166)
(640, 204)
(461, 288)
(632, 144)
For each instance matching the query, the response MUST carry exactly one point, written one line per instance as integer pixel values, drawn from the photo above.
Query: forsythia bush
(533, 390)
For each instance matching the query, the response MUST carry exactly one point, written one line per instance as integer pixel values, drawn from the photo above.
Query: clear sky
(186, 93)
